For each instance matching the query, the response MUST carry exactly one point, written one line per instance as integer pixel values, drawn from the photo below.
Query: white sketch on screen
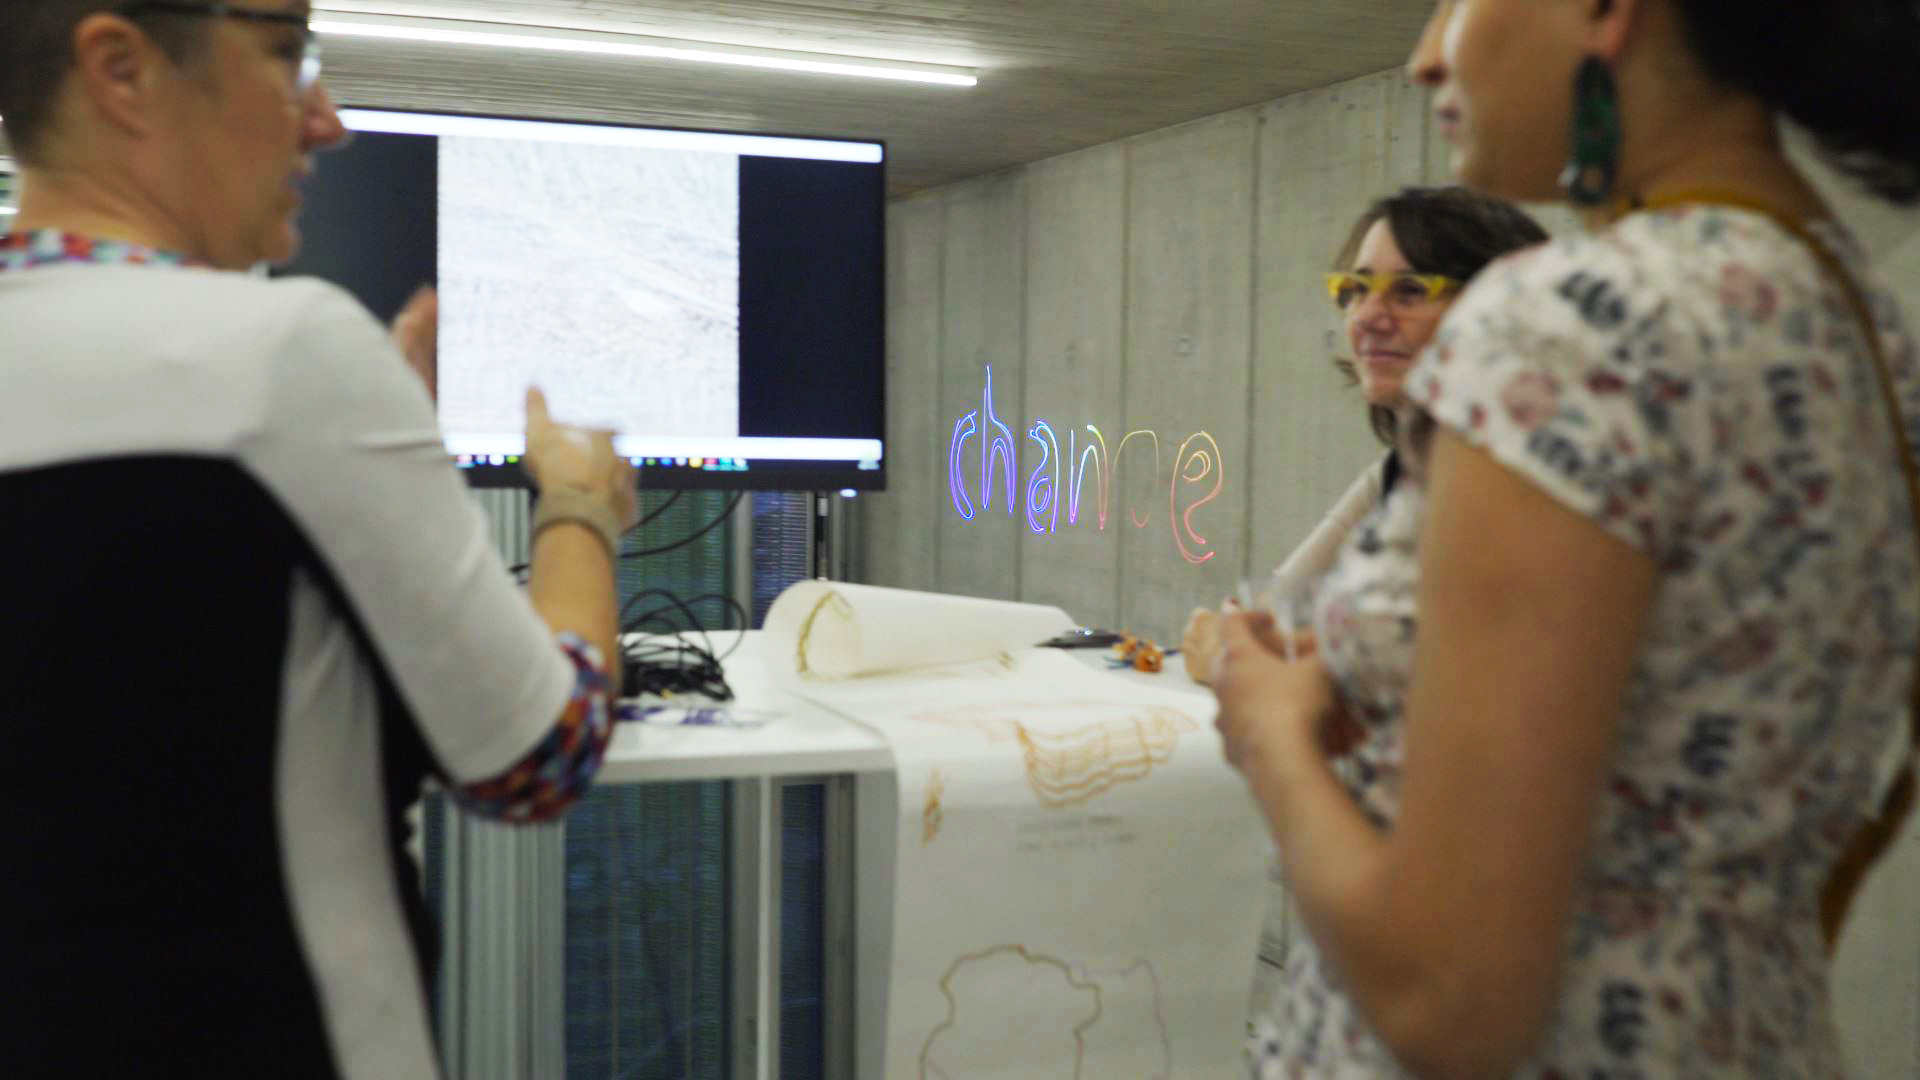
(609, 276)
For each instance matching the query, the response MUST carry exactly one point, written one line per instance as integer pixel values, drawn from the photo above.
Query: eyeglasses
(1403, 291)
(309, 70)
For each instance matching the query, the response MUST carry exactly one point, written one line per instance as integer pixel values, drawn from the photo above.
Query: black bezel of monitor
(762, 475)
(766, 476)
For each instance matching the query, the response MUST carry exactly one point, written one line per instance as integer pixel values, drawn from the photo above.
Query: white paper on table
(836, 630)
(1080, 876)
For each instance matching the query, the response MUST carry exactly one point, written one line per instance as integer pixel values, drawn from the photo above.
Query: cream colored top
(1315, 555)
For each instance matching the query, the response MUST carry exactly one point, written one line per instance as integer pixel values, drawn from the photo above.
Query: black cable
(678, 666)
(661, 509)
(672, 663)
(674, 603)
(732, 606)
(668, 670)
(718, 520)
(638, 525)
(685, 608)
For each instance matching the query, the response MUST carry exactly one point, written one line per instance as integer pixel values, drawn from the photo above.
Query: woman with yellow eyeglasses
(1404, 262)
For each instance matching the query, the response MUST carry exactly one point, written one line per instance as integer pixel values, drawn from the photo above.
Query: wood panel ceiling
(1055, 75)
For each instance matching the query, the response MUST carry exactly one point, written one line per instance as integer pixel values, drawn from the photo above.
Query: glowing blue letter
(1043, 491)
(956, 480)
(999, 447)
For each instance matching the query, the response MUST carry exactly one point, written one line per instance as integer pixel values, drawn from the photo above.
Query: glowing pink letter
(1120, 458)
(1194, 468)
(1077, 476)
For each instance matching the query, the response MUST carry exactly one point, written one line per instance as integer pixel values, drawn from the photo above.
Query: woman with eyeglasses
(1613, 786)
(1404, 263)
(251, 606)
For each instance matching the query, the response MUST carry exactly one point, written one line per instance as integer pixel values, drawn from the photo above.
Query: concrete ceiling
(1055, 75)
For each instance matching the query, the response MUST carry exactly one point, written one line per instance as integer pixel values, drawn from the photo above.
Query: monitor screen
(715, 299)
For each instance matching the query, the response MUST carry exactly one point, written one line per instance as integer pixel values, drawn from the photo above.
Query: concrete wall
(1166, 284)
(1170, 283)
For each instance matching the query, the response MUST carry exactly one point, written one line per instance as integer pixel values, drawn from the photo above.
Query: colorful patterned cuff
(556, 773)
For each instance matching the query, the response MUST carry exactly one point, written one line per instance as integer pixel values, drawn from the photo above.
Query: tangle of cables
(673, 657)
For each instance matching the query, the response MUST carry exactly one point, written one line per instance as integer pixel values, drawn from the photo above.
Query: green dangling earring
(1590, 174)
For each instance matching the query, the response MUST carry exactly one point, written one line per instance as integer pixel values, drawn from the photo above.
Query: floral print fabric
(1693, 383)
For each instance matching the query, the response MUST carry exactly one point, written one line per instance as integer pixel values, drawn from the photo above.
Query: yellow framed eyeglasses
(1403, 291)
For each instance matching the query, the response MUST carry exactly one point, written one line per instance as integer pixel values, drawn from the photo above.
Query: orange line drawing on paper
(1073, 764)
(929, 1070)
(932, 816)
(841, 609)
(1153, 1005)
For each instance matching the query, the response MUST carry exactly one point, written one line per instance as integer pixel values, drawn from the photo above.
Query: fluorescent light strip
(400, 123)
(759, 448)
(514, 36)
(7, 211)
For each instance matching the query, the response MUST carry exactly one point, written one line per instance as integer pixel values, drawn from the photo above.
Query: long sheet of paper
(837, 630)
(1080, 877)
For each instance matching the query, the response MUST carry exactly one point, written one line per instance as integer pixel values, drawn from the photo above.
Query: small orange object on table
(1140, 654)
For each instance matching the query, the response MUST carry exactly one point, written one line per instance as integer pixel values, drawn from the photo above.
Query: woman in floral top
(1658, 540)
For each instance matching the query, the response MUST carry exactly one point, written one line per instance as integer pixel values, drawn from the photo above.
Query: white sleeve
(351, 447)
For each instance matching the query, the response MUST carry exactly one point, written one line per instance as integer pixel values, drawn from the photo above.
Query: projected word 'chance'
(1197, 470)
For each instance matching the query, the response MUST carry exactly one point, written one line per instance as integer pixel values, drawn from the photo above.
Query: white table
(512, 914)
(804, 739)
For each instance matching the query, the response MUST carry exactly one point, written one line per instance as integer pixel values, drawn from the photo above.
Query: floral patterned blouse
(1694, 383)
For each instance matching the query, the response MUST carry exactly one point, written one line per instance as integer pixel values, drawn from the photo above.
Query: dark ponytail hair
(1441, 230)
(1847, 71)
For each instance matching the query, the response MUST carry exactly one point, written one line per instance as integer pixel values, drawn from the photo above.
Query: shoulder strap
(1878, 834)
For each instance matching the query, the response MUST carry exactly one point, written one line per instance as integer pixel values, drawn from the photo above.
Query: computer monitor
(716, 299)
